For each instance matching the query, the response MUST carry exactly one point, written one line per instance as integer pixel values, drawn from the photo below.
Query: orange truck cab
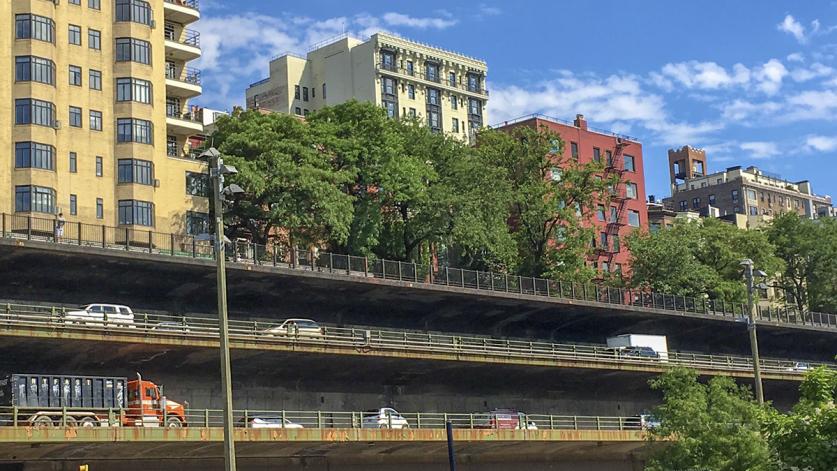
(148, 407)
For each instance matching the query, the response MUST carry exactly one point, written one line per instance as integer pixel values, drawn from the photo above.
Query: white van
(101, 315)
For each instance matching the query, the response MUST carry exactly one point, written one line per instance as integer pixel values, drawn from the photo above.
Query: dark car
(640, 352)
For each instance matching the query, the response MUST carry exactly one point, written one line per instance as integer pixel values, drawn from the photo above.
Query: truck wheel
(88, 422)
(72, 422)
(174, 422)
(43, 421)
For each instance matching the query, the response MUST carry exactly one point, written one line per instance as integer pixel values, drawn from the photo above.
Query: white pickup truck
(98, 315)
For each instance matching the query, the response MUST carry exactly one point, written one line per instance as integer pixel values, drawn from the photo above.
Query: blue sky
(752, 82)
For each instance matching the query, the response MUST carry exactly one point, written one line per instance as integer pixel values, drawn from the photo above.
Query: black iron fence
(241, 251)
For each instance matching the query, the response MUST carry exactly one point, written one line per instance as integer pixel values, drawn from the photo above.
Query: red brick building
(622, 156)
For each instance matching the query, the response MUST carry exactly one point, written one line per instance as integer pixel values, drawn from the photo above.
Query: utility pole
(451, 454)
(216, 171)
(751, 327)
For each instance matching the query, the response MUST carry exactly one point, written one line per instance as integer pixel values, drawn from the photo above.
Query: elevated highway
(78, 274)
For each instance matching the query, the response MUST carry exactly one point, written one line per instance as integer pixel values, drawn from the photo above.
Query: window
(432, 96)
(75, 2)
(33, 198)
(99, 166)
(134, 50)
(94, 39)
(695, 203)
(135, 171)
(574, 150)
(633, 218)
(597, 154)
(630, 163)
(324, 91)
(391, 108)
(603, 240)
(454, 103)
(305, 112)
(600, 212)
(605, 267)
(474, 107)
(197, 223)
(614, 214)
(131, 89)
(100, 208)
(94, 4)
(411, 91)
(95, 120)
(616, 246)
(137, 11)
(73, 162)
(28, 26)
(433, 120)
(474, 82)
(134, 130)
(298, 111)
(171, 146)
(454, 127)
(410, 69)
(431, 71)
(32, 111)
(631, 190)
(411, 112)
(34, 155)
(197, 184)
(754, 211)
(387, 88)
(95, 79)
(140, 213)
(296, 92)
(73, 205)
(75, 35)
(734, 195)
(75, 117)
(313, 92)
(388, 60)
(304, 93)
(684, 205)
(751, 195)
(75, 75)
(712, 199)
(609, 158)
(34, 69)
(452, 79)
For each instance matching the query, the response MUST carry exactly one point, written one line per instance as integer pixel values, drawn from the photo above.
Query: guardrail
(138, 240)
(52, 417)
(379, 340)
(185, 3)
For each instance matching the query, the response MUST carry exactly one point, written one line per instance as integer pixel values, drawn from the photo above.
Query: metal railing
(251, 418)
(371, 340)
(185, 3)
(185, 74)
(77, 233)
(188, 37)
(435, 78)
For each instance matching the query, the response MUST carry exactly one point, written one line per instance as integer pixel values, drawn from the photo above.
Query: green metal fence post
(319, 419)
(14, 416)
(171, 245)
(64, 416)
(28, 227)
(79, 233)
(150, 242)
(246, 418)
(206, 418)
(104, 237)
(418, 419)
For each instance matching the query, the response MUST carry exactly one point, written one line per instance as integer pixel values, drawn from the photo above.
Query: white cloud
(400, 19)
(769, 76)
(812, 104)
(794, 28)
(795, 57)
(760, 149)
(821, 143)
(701, 75)
(740, 110)
(487, 10)
(816, 70)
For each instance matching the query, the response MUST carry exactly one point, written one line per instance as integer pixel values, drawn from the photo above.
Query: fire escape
(616, 210)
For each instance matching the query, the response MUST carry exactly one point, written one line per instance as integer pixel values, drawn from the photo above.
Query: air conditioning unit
(56, 124)
(56, 1)
(153, 23)
(156, 183)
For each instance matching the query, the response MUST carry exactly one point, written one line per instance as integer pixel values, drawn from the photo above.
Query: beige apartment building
(748, 197)
(442, 88)
(95, 120)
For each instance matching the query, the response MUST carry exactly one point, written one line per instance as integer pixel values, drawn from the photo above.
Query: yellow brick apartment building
(94, 115)
(442, 88)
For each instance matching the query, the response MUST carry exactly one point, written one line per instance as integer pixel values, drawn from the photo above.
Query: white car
(800, 366)
(171, 326)
(101, 314)
(384, 417)
(295, 327)
(271, 422)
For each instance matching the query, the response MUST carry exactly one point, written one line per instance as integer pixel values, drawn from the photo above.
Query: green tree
(699, 258)
(552, 196)
(806, 438)
(292, 186)
(711, 427)
(809, 251)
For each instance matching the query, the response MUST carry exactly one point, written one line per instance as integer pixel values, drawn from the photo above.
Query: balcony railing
(167, 244)
(184, 3)
(186, 74)
(435, 78)
(189, 37)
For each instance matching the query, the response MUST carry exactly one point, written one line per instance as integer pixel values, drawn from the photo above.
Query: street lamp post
(217, 169)
(751, 326)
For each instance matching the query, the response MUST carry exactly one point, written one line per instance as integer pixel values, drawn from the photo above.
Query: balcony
(183, 124)
(185, 46)
(181, 11)
(183, 83)
(434, 80)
